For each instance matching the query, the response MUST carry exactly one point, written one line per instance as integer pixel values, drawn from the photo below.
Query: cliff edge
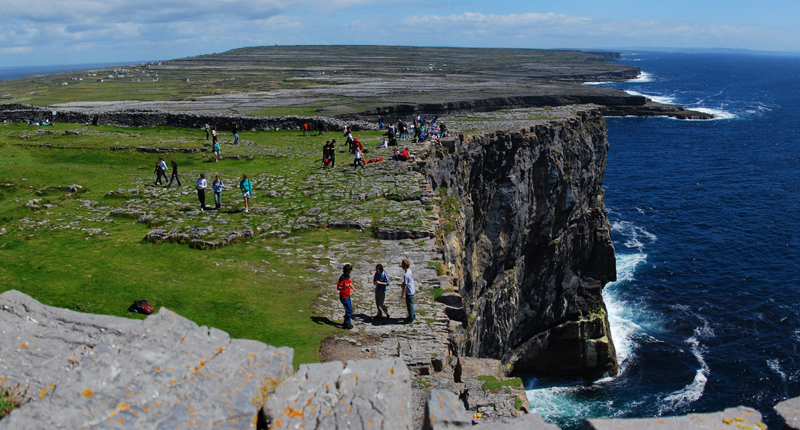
(526, 234)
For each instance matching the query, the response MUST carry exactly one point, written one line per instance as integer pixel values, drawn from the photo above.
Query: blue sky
(44, 32)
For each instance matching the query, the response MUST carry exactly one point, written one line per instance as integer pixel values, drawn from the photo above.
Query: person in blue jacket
(217, 186)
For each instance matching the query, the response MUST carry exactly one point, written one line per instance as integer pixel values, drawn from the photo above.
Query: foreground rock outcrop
(166, 372)
(528, 239)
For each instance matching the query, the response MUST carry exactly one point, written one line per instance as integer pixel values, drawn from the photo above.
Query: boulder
(789, 410)
(94, 371)
(450, 299)
(733, 418)
(444, 410)
(525, 422)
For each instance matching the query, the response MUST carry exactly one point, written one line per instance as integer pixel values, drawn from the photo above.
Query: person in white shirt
(202, 184)
(409, 290)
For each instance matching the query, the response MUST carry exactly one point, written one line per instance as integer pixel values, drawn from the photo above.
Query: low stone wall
(17, 112)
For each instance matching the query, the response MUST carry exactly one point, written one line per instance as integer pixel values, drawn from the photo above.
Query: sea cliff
(529, 242)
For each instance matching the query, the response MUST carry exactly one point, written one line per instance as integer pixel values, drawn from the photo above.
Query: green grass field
(73, 255)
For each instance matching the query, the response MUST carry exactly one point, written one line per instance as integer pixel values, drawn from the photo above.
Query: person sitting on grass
(345, 286)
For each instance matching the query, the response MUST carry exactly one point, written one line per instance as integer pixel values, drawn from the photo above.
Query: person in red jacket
(345, 287)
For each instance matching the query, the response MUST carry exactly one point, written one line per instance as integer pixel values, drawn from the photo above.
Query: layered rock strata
(526, 233)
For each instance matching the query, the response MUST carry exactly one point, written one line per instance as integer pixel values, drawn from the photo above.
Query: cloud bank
(82, 31)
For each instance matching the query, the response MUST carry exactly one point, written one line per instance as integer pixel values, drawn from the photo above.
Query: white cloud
(577, 31)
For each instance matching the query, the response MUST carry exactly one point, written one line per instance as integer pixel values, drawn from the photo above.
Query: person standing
(381, 281)
(174, 176)
(214, 134)
(345, 286)
(305, 129)
(207, 128)
(247, 190)
(236, 134)
(202, 184)
(409, 290)
(216, 151)
(217, 187)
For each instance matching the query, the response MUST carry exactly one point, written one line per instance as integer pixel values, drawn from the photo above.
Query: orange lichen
(23, 345)
(391, 371)
(123, 406)
(87, 393)
(292, 412)
(727, 420)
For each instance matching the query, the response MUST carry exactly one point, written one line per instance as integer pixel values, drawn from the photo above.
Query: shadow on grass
(326, 320)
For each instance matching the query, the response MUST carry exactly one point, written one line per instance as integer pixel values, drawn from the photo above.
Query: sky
(49, 32)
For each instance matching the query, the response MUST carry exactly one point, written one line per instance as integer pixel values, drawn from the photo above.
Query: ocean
(8, 73)
(705, 313)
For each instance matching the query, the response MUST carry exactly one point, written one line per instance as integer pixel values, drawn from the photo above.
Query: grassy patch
(10, 398)
(490, 383)
(65, 249)
(438, 266)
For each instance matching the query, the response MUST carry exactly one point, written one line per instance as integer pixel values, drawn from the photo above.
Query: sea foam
(658, 99)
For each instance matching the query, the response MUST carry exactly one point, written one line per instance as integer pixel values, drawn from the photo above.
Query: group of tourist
(36, 122)
(161, 172)
(245, 186)
(380, 281)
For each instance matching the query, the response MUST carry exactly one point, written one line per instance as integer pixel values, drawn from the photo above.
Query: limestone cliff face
(530, 240)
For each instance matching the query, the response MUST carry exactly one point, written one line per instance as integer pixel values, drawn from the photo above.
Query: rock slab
(364, 394)
(730, 419)
(93, 371)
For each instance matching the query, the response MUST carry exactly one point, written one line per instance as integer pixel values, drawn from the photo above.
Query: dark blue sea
(705, 215)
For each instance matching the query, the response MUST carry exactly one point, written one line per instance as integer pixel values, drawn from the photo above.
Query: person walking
(202, 184)
(217, 187)
(216, 151)
(174, 176)
(236, 134)
(305, 129)
(161, 168)
(214, 134)
(381, 281)
(345, 287)
(358, 162)
(409, 290)
(207, 129)
(247, 191)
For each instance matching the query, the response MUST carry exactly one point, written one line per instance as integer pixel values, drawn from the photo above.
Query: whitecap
(596, 83)
(643, 77)
(694, 390)
(658, 99)
(554, 403)
(775, 366)
(718, 113)
(634, 236)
